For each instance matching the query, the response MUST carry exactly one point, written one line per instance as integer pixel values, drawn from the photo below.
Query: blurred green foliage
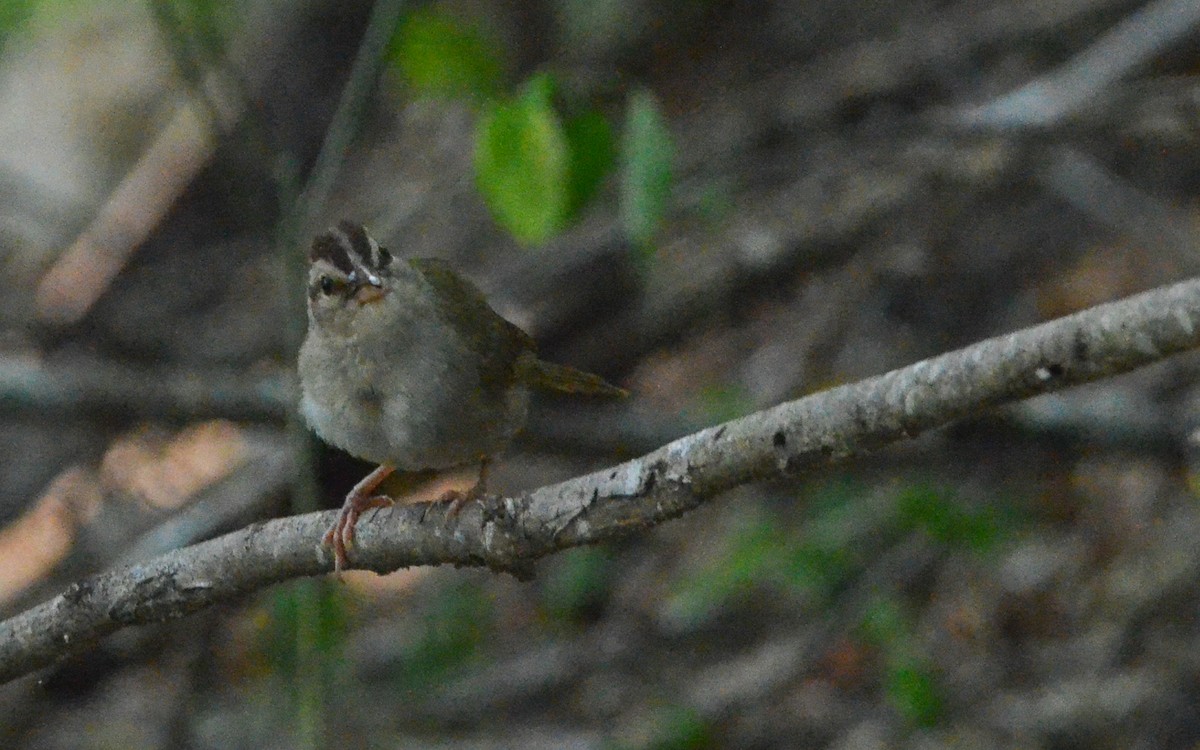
(884, 622)
(439, 55)
(206, 20)
(647, 152)
(721, 403)
(715, 203)
(936, 513)
(451, 628)
(593, 151)
(911, 689)
(673, 728)
(287, 606)
(196, 32)
(455, 625)
(828, 546)
(13, 15)
(909, 680)
(522, 163)
(811, 557)
(537, 166)
(211, 20)
(575, 584)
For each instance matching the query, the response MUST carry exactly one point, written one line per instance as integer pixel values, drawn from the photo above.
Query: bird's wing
(498, 343)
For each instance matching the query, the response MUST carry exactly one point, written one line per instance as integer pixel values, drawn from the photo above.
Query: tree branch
(508, 534)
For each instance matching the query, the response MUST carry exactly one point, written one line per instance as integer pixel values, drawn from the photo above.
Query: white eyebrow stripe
(376, 256)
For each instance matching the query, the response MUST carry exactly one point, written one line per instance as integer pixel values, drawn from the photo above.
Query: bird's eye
(326, 285)
(385, 258)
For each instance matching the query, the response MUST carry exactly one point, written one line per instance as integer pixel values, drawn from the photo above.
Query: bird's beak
(370, 292)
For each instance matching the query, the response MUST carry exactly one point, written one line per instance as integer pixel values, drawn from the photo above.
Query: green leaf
(938, 515)
(723, 402)
(911, 689)
(283, 617)
(680, 728)
(909, 679)
(522, 163)
(578, 581)
(646, 155)
(13, 16)
(457, 624)
(884, 623)
(816, 567)
(590, 140)
(439, 55)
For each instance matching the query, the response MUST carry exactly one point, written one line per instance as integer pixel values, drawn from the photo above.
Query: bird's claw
(457, 499)
(340, 536)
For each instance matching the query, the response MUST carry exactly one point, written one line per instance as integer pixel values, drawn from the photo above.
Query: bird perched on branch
(406, 365)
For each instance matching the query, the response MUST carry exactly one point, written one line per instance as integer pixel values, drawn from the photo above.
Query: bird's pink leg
(459, 499)
(359, 500)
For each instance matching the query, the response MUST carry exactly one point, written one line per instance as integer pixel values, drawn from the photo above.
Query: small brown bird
(405, 365)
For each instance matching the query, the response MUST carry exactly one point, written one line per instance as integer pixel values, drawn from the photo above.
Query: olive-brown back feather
(498, 343)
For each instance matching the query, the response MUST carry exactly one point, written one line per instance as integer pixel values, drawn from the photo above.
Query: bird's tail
(549, 376)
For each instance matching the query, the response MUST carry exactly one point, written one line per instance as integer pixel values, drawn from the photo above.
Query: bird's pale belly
(412, 430)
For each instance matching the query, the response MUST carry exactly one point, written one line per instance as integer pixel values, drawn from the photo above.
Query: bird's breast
(416, 405)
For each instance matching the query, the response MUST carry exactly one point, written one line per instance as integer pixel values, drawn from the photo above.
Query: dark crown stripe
(361, 244)
(331, 248)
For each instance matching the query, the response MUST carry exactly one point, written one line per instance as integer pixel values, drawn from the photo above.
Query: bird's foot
(340, 536)
(457, 499)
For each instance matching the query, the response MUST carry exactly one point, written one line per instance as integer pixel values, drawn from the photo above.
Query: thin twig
(508, 534)
(1131, 44)
(368, 65)
(1113, 202)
